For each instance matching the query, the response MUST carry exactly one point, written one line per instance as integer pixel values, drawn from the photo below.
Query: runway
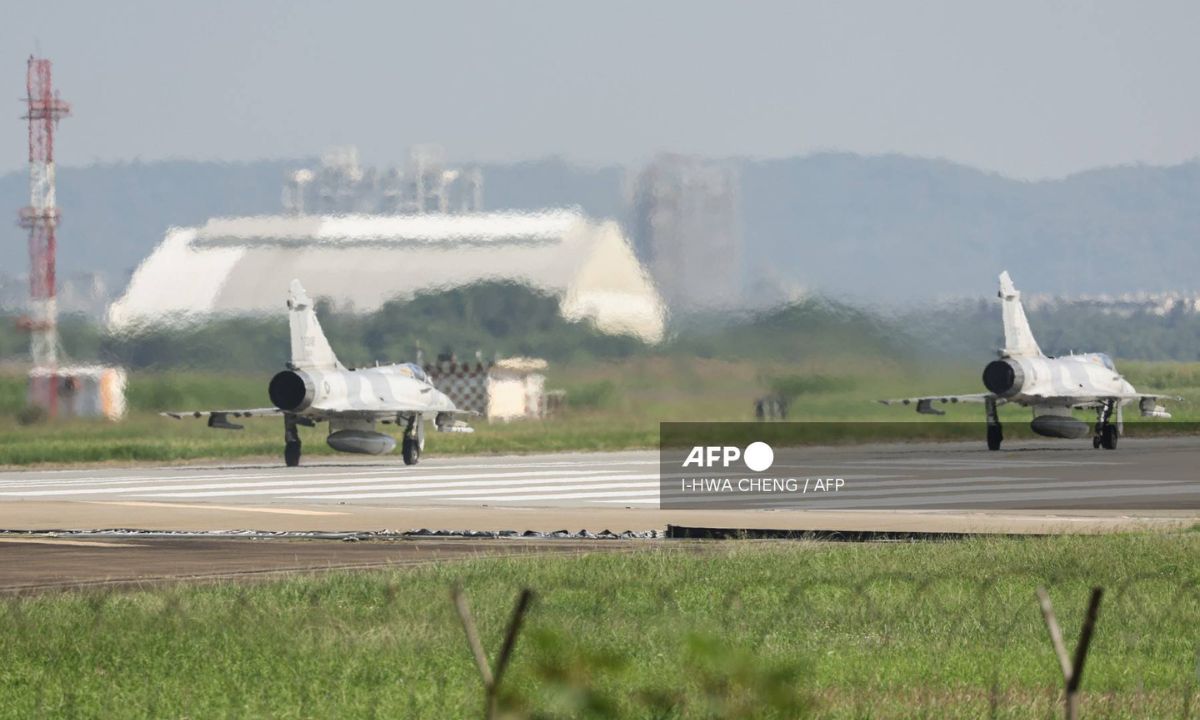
(46, 564)
(1142, 474)
(1029, 487)
(594, 479)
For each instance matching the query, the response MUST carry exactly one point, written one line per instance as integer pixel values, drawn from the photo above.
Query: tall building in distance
(687, 230)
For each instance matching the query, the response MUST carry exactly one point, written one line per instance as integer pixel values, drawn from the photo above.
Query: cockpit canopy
(1104, 360)
(417, 372)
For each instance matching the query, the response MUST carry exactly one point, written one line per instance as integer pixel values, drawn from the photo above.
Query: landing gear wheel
(291, 454)
(994, 433)
(1108, 437)
(1106, 431)
(994, 437)
(291, 441)
(411, 450)
(1096, 442)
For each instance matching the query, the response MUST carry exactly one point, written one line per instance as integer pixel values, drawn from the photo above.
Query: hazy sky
(1030, 89)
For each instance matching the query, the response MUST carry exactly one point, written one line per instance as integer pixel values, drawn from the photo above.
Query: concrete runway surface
(961, 488)
(1141, 474)
(40, 564)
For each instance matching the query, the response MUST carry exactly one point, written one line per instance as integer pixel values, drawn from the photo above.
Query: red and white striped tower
(41, 217)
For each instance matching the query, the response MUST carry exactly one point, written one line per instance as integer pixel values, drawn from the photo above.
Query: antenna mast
(41, 217)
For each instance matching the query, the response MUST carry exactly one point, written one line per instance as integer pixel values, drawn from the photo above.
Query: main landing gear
(414, 440)
(291, 441)
(1106, 431)
(995, 434)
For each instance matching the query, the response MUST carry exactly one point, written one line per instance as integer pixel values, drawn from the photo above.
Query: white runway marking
(297, 482)
(511, 481)
(581, 496)
(232, 508)
(563, 489)
(28, 479)
(63, 541)
(1155, 474)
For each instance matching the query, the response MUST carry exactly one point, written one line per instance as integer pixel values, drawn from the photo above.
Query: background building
(687, 230)
(242, 266)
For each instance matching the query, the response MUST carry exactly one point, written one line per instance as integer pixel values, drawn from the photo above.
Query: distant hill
(881, 228)
(893, 227)
(114, 214)
(974, 330)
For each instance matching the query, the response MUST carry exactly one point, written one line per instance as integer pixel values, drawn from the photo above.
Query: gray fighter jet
(315, 387)
(1052, 386)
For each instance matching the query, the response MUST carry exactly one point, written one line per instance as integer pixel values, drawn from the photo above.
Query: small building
(516, 389)
(79, 391)
(507, 389)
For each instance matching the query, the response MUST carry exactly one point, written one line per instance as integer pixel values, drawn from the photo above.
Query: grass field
(611, 406)
(730, 631)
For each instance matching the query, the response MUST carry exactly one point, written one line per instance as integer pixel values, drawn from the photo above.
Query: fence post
(491, 677)
(1072, 668)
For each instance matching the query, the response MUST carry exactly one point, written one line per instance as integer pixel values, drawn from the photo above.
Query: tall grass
(748, 630)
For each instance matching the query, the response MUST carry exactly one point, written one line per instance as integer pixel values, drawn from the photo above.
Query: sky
(1031, 89)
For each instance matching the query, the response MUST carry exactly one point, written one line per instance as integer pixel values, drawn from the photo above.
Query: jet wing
(1143, 396)
(382, 413)
(220, 418)
(925, 405)
(1148, 404)
(443, 420)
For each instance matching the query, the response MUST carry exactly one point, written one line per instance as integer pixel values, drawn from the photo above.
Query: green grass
(611, 406)
(744, 630)
(145, 437)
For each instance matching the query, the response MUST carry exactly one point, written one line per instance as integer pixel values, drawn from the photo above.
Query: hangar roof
(240, 266)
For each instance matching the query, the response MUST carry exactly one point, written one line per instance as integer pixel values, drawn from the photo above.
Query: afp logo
(758, 456)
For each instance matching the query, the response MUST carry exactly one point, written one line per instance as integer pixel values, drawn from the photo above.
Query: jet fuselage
(376, 389)
(1062, 381)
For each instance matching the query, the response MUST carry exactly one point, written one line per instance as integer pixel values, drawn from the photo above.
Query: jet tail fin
(310, 349)
(1018, 338)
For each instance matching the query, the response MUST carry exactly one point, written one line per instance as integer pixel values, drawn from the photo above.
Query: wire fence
(995, 659)
(888, 644)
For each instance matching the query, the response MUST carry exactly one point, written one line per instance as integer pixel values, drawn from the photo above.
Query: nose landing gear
(1106, 432)
(995, 434)
(414, 441)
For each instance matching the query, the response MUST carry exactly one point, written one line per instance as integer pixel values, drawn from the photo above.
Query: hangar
(242, 266)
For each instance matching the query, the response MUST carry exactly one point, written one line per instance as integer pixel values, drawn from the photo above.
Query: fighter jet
(1052, 386)
(315, 387)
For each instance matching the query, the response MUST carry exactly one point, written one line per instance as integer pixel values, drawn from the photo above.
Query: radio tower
(41, 217)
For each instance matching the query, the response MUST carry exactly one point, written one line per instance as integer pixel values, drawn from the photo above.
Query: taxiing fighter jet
(1051, 386)
(315, 388)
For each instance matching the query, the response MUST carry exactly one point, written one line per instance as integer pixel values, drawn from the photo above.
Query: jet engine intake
(1004, 377)
(291, 391)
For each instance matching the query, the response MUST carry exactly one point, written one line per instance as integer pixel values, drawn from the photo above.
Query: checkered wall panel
(466, 384)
